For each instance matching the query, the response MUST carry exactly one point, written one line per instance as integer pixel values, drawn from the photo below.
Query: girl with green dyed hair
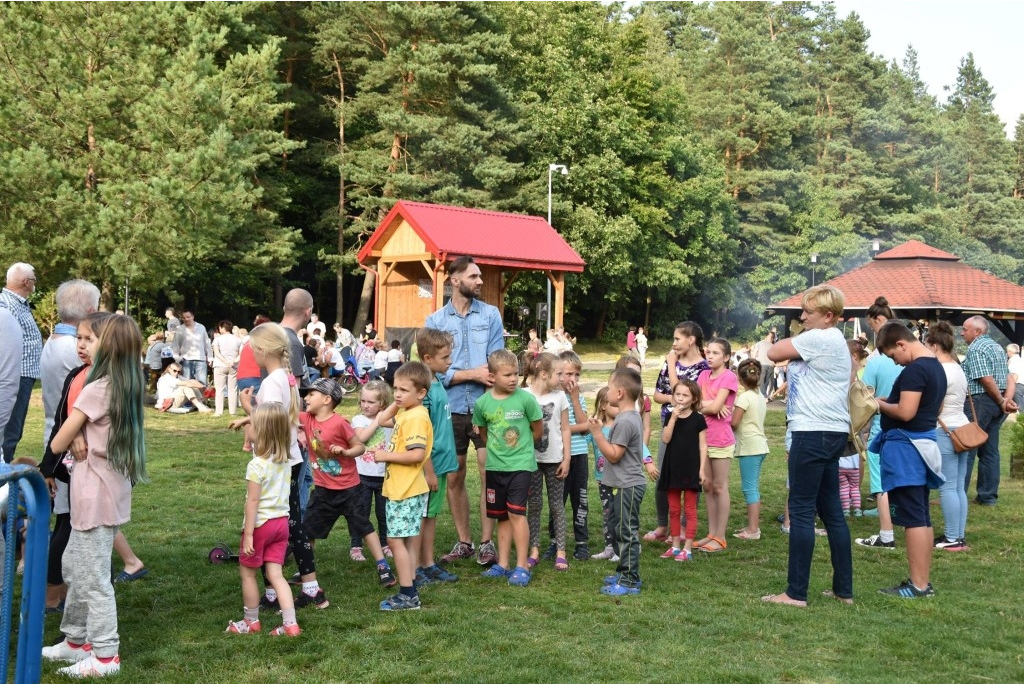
(104, 432)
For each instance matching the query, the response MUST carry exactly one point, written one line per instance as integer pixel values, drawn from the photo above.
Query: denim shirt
(475, 336)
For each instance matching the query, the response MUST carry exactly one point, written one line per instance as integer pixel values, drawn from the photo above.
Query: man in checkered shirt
(991, 389)
(21, 282)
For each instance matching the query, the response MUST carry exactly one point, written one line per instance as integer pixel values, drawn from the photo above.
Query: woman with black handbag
(952, 493)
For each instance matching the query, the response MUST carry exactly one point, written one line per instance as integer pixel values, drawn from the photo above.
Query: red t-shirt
(331, 471)
(247, 367)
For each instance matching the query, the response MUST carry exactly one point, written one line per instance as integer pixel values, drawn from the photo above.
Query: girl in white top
(270, 349)
(544, 380)
(952, 493)
(641, 345)
(226, 349)
(265, 527)
(373, 398)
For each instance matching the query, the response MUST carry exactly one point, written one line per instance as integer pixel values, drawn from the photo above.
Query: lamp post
(565, 172)
(814, 265)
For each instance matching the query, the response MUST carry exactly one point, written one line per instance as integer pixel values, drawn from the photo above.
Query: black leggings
(58, 542)
(575, 489)
(298, 543)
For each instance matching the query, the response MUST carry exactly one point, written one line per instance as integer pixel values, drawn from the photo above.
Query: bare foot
(783, 598)
(832, 595)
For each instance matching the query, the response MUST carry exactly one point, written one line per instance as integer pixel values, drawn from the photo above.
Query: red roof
(915, 276)
(496, 238)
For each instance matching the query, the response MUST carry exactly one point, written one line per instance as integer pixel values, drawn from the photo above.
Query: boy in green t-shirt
(509, 419)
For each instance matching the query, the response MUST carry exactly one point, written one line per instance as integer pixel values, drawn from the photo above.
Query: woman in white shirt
(952, 493)
(226, 349)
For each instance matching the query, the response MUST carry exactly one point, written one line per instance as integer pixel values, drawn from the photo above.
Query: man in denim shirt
(476, 330)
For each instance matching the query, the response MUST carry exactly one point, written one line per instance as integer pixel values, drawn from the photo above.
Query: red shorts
(269, 543)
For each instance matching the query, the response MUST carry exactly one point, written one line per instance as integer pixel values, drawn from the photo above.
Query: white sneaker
(613, 558)
(604, 555)
(62, 651)
(92, 668)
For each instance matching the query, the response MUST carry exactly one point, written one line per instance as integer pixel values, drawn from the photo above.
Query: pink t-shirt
(719, 430)
(331, 471)
(100, 496)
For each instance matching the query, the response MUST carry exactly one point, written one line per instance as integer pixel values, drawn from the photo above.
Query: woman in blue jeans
(952, 493)
(818, 417)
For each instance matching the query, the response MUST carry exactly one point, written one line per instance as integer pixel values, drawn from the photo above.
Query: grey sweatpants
(90, 610)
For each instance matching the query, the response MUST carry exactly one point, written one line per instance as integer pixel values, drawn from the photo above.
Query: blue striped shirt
(579, 441)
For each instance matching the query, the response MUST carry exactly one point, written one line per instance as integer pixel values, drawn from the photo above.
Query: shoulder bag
(969, 436)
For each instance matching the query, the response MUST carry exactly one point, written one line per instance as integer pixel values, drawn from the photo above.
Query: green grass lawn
(701, 621)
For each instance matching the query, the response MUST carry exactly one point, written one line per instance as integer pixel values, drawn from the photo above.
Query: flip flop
(124, 576)
(531, 562)
(561, 564)
(653, 536)
(722, 545)
(783, 598)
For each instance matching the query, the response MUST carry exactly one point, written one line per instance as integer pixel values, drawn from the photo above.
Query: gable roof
(496, 238)
(915, 277)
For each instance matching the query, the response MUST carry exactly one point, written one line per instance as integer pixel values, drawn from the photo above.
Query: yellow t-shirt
(412, 429)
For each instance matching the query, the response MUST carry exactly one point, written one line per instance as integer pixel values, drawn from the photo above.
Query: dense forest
(214, 154)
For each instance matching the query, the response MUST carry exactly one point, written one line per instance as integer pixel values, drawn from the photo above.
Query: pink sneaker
(683, 556)
(670, 553)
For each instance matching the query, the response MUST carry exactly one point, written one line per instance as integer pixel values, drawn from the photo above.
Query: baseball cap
(329, 387)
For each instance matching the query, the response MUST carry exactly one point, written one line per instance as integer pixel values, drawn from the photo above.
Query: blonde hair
(272, 433)
(382, 389)
(270, 339)
(824, 298)
(601, 404)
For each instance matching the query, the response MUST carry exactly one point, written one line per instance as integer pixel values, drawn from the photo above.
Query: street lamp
(814, 264)
(565, 172)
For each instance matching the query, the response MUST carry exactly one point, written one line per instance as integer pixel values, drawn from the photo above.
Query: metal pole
(547, 328)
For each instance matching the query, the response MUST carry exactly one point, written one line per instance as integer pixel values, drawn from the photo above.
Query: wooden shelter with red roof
(410, 251)
(922, 282)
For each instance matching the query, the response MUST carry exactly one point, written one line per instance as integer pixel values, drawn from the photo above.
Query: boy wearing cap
(333, 447)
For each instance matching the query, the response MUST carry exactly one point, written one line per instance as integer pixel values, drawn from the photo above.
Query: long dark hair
(693, 330)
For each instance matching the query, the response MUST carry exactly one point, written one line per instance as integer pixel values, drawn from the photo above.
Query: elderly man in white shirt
(1015, 366)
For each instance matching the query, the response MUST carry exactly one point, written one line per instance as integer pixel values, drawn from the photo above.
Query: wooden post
(558, 281)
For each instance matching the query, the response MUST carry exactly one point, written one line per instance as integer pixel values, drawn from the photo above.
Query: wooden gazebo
(410, 251)
(924, 283)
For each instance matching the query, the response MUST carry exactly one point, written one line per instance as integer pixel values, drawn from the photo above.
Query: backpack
(863, 407)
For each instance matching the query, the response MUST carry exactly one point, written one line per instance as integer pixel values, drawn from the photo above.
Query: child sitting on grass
(509, 419)
(624, 473)
(265, 530)
(333, 447)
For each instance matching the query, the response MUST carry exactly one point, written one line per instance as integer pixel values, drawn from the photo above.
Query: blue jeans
(194, 369)
(16, 424)
(624, 524)
(253, 383)
(814, 487)
(952, 493)
(990, 418)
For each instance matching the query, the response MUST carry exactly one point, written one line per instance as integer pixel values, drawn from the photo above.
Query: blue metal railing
(27, 484)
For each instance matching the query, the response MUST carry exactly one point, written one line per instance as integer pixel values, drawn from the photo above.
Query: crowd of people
(403, 457)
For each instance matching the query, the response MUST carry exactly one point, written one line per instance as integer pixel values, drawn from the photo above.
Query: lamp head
(814, 258)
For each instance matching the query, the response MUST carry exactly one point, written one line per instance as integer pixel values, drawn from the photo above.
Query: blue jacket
(908, 458)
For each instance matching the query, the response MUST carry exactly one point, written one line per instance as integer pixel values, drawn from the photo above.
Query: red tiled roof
(916, 249)
(916, 276)
(497, 238)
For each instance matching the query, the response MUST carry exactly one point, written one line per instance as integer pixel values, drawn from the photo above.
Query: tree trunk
(339, 274)
(363, 313)
(107, 296)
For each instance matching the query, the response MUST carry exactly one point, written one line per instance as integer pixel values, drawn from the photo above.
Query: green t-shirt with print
(509, 436)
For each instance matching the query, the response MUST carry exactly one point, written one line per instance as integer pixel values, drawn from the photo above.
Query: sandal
(561, 564)
(742, 534)
(655, 536)
(722, 545)
(531, 562)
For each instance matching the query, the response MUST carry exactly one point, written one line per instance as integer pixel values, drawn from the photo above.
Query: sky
(943, 33)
